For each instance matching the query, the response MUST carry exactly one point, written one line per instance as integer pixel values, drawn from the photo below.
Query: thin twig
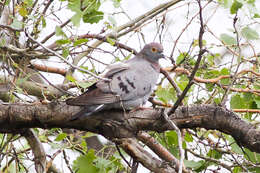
(118, 149)
(196, 67)
(67, 62)
(171, 123)
(175, 86)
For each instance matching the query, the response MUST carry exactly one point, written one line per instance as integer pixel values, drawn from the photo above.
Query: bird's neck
(154, 63)
(156, 66)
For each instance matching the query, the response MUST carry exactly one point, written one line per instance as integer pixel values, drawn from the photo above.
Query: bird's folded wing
(94, 97)
(115, 68)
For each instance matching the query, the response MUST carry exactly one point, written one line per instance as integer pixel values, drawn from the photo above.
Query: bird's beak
(162, 55)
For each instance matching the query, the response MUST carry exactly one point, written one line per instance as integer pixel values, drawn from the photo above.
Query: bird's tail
(87, 111)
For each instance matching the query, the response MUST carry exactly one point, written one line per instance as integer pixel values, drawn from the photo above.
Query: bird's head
(153, 51)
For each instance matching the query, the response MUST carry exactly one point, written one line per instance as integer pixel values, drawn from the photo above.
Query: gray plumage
(130, 86)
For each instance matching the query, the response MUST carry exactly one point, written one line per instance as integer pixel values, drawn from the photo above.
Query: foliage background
(228, 75)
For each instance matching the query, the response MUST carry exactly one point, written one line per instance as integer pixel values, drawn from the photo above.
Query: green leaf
(237, 169)
(63, 41)
(59, 32)
(76, 18)
(85, 84)
(70, 78)
(111, 41)
(116, 3)
(227, 39)
(43, 22)
(256, 15)
(249, 33)
(234, 147)
(61, 136)
(251, 156)
(74, 5)
(172, 138)
(28, 3)
(181, 57)
(65, 52)
(2, 42)
(93, 17)
(188, 137)
(257, 101)
(227, 3)
(85, 163)
(217, 101)
(80, 41)
(237, 102)
(112, 20)
(193, 164)
(23, 11)
(165, 94)
(214, 154)
(235, 6)
(225, 71)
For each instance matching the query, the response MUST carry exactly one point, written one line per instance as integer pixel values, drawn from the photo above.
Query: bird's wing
(135, 82)
(94, 97)
(100, 92)
(115, 68)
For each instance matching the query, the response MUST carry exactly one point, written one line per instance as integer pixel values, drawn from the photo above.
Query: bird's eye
(154, 50)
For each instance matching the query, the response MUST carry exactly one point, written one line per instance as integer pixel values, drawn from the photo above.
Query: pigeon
(130, 84)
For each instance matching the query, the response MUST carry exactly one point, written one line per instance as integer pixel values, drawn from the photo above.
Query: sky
(218, 21)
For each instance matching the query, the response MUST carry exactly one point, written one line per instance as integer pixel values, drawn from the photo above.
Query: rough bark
(118, 124)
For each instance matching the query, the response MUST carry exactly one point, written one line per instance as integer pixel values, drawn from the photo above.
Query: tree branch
(117, 124)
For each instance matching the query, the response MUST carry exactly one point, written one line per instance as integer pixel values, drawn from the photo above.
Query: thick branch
(117, 124)
(134, 149)
(37, 149)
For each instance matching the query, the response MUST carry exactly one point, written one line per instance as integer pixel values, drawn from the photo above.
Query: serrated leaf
(235, 7)
(93, 17)
(227, 39)
(249, 33)
(61, 136)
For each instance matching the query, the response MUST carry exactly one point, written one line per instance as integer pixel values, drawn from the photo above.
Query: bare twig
(37, 149)
(175, 86)
(191, 77)
(64, 60)
(171, 123)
